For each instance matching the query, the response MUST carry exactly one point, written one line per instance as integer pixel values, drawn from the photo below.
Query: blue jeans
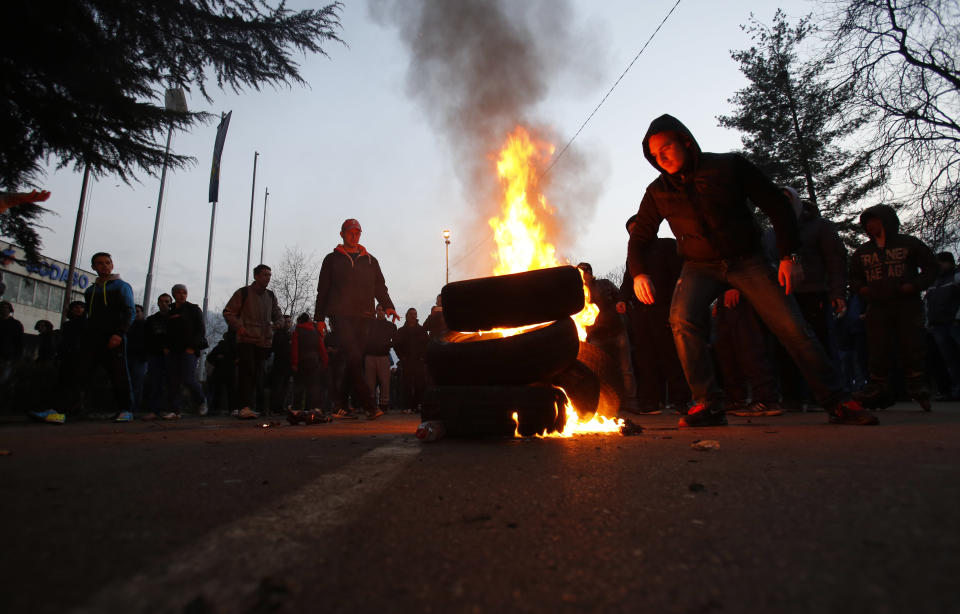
(154, 399)
(701, 282)
(182, 371)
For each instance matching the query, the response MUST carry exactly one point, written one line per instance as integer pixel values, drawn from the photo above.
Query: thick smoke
(478, 68)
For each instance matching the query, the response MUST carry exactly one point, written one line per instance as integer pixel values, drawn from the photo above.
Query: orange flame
(523, 244)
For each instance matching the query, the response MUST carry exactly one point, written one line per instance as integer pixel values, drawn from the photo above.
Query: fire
(520, 235)
(523, 244)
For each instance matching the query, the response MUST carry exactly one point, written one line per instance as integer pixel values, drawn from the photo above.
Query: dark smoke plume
(478, 68)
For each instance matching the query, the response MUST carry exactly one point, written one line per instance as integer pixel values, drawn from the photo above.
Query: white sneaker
(170, 416)
(247, 414)
(202, 410)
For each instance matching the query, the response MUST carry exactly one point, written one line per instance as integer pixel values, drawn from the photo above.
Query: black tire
(593, 383)
(487, 411)
(522, 359)
(508, 301)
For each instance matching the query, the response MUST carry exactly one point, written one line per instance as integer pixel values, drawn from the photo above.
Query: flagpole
(156, 225)
(174, 100)
(263, 233)
(206, 282)
(253, 191)
(72, 268)
(214, 197)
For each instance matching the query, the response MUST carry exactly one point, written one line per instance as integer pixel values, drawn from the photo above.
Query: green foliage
(84, 80)
(794, 122)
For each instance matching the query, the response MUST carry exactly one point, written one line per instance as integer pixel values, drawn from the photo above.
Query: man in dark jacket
(656, 367)
(819, 290)
(890, 271)
(608, 332)
(350, 280)
(137, 356)
(154, 342)
(280, 370)
(110, 312)
(11, 341)
(308, 360)
(186, 340)
(943, 308)
(703, 196)
(376, 357)
(411, 344)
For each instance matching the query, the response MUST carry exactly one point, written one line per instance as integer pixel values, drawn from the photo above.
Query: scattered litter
(705, 444)
(629, 427)
(5, 453)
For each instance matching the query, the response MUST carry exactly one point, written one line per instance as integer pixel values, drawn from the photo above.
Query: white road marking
(263, 544)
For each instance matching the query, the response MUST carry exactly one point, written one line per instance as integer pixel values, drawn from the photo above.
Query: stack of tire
(482, 379)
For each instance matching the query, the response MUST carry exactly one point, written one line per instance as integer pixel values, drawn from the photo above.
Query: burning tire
(509, 301)
(478, 411)
(526, 358)
(593, 383)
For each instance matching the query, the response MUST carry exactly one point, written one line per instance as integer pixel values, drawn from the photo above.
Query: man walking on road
(350, 280)
(252, 312)
(703, 196)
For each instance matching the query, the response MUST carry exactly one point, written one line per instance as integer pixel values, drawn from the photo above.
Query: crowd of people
(724, 318)
(263, 364)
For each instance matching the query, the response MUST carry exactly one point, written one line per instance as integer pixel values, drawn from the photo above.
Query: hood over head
(886, 214)
(667, 123)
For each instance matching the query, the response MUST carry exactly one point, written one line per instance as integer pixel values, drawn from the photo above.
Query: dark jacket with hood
(706, 205)
(348, 287)
(823, 256)
(110, 307)
(902, 260)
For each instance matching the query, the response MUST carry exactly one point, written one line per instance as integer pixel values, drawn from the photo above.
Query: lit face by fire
(670, 151)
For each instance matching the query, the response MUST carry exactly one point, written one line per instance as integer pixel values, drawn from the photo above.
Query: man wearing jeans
(703, 196)
(350, 281)
(251, 312)
(186, 339)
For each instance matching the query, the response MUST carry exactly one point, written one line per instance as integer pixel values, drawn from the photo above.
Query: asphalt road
(217, 515)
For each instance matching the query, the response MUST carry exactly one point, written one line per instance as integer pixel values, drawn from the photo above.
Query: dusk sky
(367, 140)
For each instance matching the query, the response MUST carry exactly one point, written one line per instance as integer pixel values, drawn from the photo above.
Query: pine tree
(794, 122)
(83, 81)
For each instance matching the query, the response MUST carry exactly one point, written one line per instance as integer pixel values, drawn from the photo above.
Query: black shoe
(851, 412)
(704, 415)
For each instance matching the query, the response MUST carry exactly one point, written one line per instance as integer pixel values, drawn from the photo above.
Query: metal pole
(206, 283)
(253, 190)
(71, 270)
(447, 241)
(263, 233)
(156, 226)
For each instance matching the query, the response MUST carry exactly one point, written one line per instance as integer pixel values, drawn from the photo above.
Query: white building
(36, 291)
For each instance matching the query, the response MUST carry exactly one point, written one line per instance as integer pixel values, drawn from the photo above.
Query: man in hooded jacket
(350, 280)
(890, 271)
(704, 197)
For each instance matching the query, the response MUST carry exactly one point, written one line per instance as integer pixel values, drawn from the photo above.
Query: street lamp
(446, 240)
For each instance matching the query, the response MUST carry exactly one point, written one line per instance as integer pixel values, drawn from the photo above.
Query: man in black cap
(705, 198)
(350, 281)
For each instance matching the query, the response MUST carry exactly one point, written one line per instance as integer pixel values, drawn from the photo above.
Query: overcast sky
(369, 141)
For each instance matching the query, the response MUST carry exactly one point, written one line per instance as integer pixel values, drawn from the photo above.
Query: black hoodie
(902, 260)
(706, 205)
